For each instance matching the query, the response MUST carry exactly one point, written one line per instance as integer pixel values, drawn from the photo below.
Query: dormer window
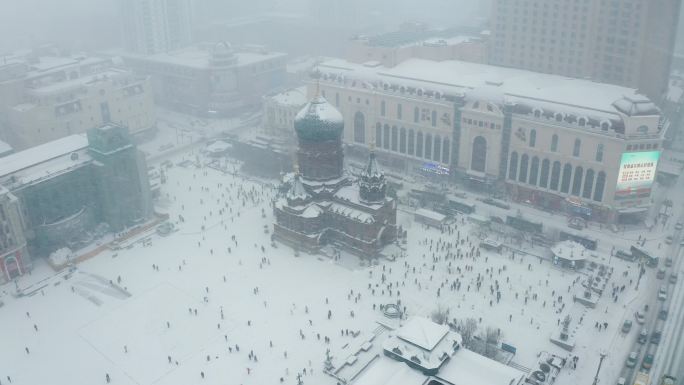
(582, 122)
(559, 117)
(605, 125)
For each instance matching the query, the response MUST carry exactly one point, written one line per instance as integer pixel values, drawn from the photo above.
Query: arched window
(395, 138)
(600, 185)
(399, 111)
(544, 175)
(534, 171)
(576, 147)
(359, 127)
(434, 119)
(411, 144)
(383, 108)
(402, 140)
(386, 137)
(599, 152)
(524, 164)
(419, 144)
(378, 135)
(582, 122)
(428, 146)
(567, 175)
(533, 138)
(416, 115)
(537, 113)
(513, 166)
(588, 184)
(555, 175)
(437, 153)
(577, 181)
(445, 151)
(554, 143)
(478, 160)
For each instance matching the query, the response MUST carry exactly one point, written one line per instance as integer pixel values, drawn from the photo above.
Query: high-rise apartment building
(154, 26)
(624, 42)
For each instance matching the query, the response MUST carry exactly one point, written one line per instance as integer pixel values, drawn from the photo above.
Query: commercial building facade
(555, 142)
(624, 42)
(51, 96)
(211, 79)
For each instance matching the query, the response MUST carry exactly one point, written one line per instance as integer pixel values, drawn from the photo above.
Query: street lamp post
(603, 355)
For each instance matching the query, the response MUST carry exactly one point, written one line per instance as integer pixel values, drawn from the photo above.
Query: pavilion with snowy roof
(569, 254)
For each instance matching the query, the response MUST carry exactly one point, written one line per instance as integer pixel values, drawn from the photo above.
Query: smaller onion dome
(372, 184)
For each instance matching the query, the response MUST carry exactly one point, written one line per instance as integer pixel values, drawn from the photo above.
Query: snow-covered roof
(513, 85)
(351, 194)
(468, 368)
(430, 215)
(295, 97)
(422, 332)
(569, 250)
(42, 153)
(351, 213)
(196, 57)
(385, 371)
(5, 148)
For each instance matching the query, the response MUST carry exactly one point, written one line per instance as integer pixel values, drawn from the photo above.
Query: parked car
(662, 293)
(621, 381)
(632, 360)
(647, 363)
(655, 337)
(673, 278)
(668, 239)
(668, 262)
(626, 326)
(679, 226)
(662, 314)
(640, 317)
(643, 336)
(661, 273)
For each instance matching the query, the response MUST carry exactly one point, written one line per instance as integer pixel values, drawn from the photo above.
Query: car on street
(660, 274)
(626, 326)
(668, 239)
(668, 262)
(662, 314)
(640, 317)
(668, 380)
(679, 226)
(673, 278)
(662, 293)
(655, 337)
(621, 381)
(647, 363)
(643, 336)
(631, 360)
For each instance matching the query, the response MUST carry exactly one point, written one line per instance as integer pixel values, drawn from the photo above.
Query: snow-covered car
(640, 317)
(643, 336)
(655, 337)
(662, 293)
(626, 326)
(631, 360)
(673, 278)
(621, 381)
(668, 239)
(660, 274)
(679, 226)
(668, 262)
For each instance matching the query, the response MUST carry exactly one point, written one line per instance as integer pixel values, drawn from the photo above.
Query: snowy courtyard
(216, 303)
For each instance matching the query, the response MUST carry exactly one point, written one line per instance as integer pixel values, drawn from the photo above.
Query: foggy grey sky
(93, 24)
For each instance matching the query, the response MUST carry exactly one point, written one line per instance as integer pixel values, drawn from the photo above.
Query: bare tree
(440, 315)
(468, 329)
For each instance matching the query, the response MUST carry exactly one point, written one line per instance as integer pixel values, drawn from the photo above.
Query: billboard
(637, 173)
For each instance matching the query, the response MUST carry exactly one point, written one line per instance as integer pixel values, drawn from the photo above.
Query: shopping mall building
(561, 144)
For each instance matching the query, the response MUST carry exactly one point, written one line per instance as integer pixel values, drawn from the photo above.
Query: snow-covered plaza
(215, 302)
